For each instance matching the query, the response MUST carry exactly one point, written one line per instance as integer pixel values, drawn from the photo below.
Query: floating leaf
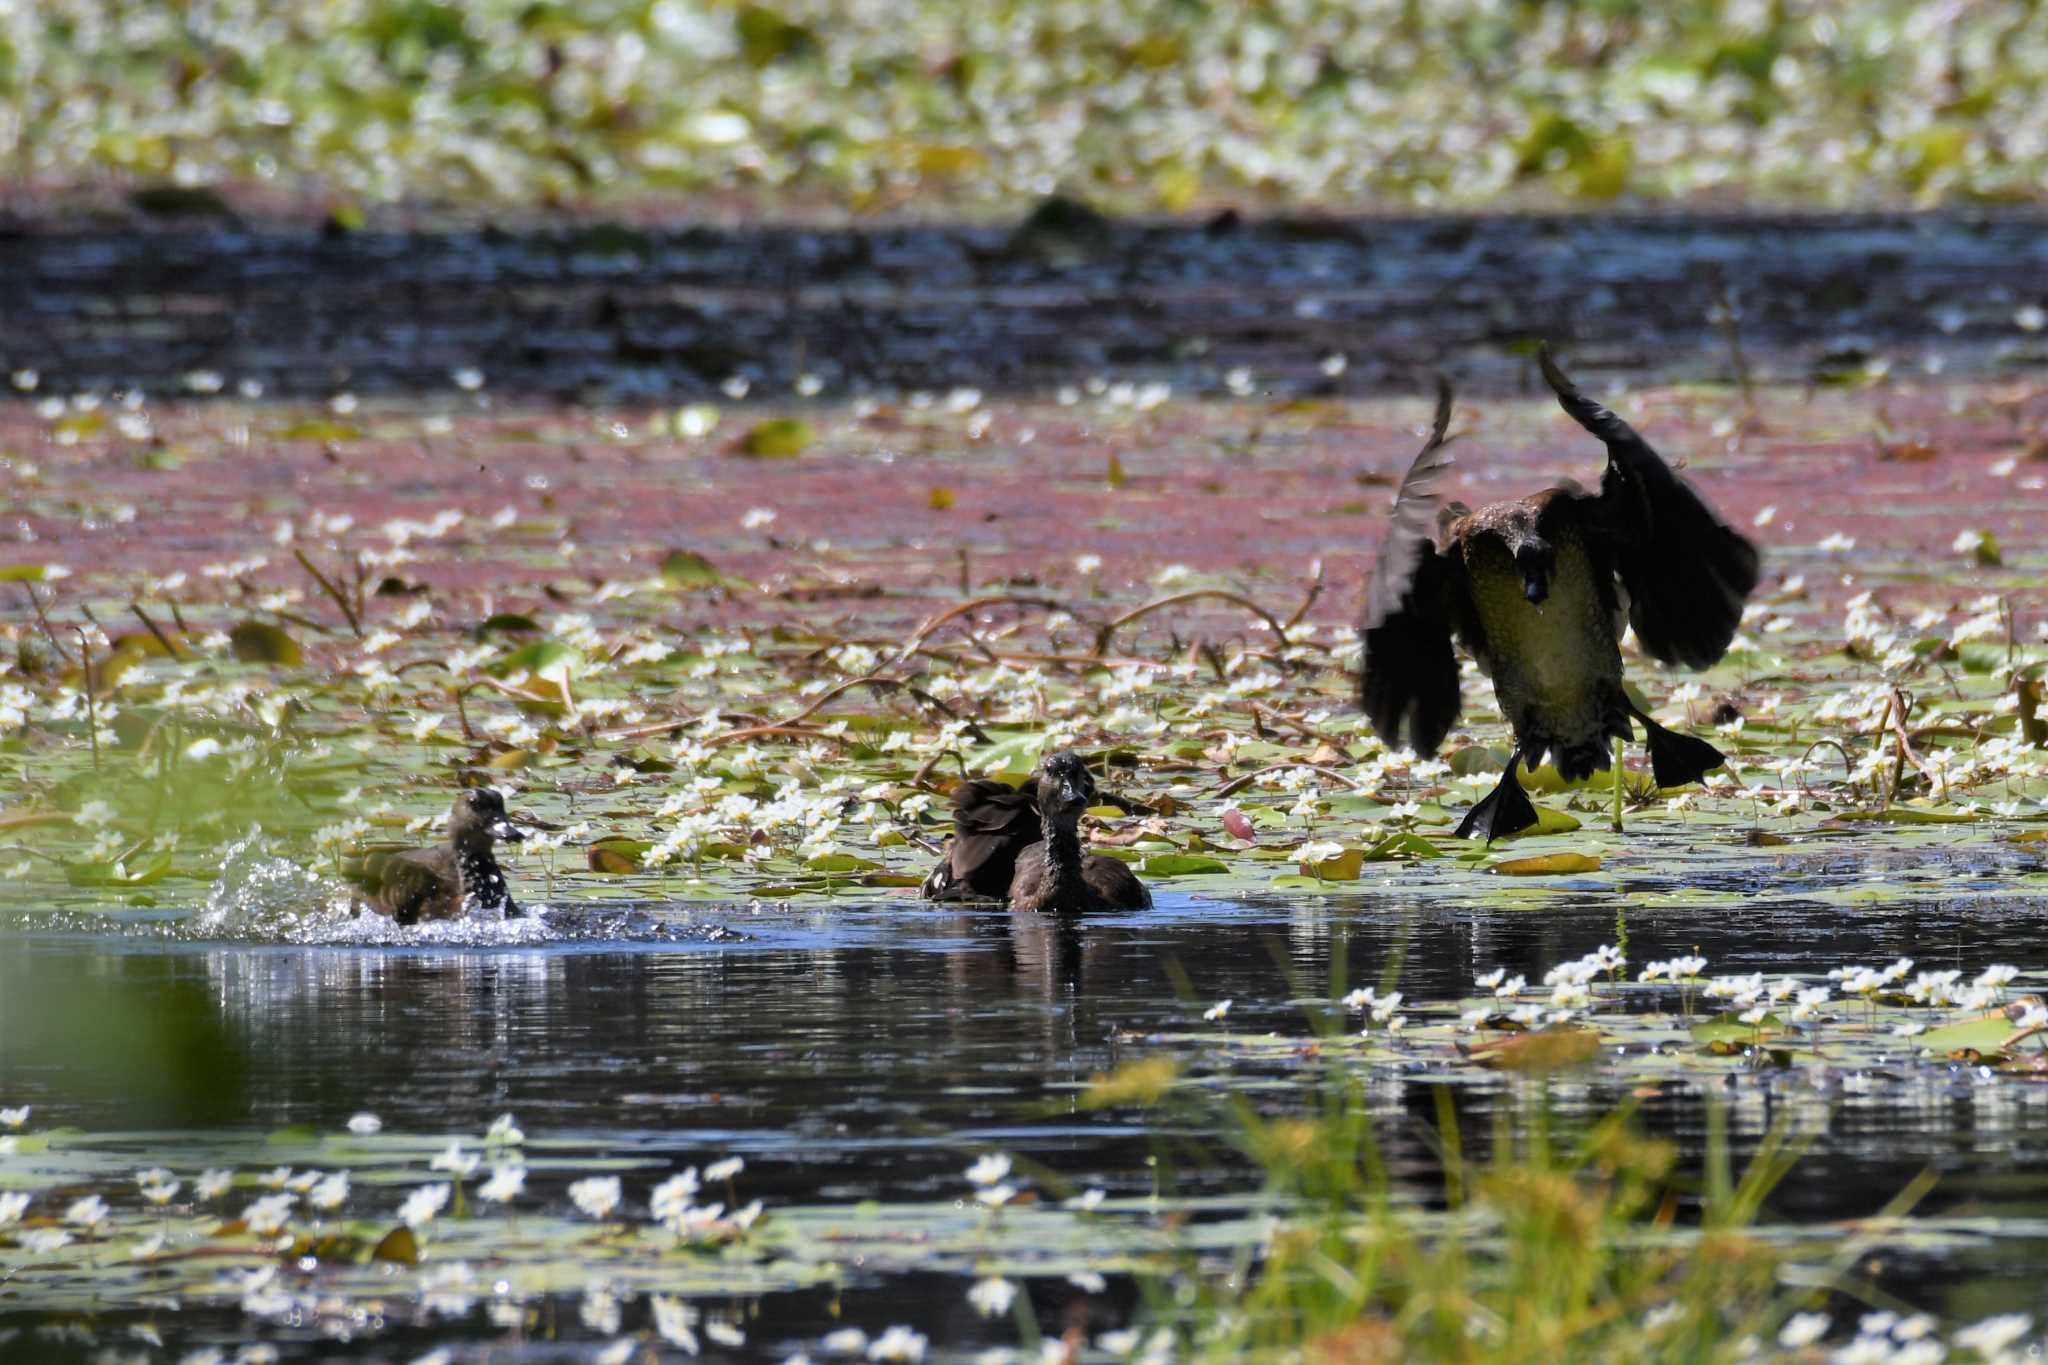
(318, 429)
(398, 1245)
(778, 438)
(550, 659)
(1181, 865)
(686, 571)
(1342, 868)
(841, 862)
(1406, 844)
(939, 499)
(258, 642)
(1549, 1049)
(1984, 1035)
(118, 874)
(617, 855)
(1547, 865)
(24, 573)
(512, 621)
(1727, 1027)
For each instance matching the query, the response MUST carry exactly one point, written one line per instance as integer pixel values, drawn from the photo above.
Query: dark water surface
(606, 312)
(870, 1052)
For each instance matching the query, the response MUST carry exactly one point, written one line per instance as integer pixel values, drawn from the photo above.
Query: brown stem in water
(1109, 629)
(327, 585)
(170, 646)
(92, 704)
(959, 609)
(1238, 784)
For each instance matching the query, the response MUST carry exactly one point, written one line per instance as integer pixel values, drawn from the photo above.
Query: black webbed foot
(1677, 759)
(1506, 810)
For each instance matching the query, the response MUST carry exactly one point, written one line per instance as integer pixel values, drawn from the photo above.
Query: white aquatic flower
(995, 1196)
(89, 1213)
(503, 1132)
(1087, 1201)
(596, 1196)
(505, 1184)
(725, 1169)
(457, 1162)
(992, 1296)
(12, 1206)
(674, 1321)
(989, 1169)
(43, 1241)
(673, 1196)
(161, 1190)
(1996, 976)
(845, 1341)
(423, 1204)
(898, 1343)
(1217, 1011)
(213, 1184)
(329, 1193)
(1989, 1337)
(267, 1216)
(14, 1118)
(1803, 1329)
(725, 1334)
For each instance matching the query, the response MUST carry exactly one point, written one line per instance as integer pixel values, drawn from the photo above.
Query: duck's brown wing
(1113, 882)
(992, 823)
(1687, 572)
(1409, 685)
(408, 885)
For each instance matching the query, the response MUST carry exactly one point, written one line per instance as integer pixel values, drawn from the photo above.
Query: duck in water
(447, 880)
(1539, 590)
(1054, 875)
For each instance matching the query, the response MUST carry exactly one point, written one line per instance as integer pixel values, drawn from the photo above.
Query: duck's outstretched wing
(1687, 572)
(992, 823)
(1409, 685)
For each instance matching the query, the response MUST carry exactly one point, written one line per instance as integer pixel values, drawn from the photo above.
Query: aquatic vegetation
(1154, 105)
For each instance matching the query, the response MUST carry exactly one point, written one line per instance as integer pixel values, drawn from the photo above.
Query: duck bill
(505, 831)
(1072, 795)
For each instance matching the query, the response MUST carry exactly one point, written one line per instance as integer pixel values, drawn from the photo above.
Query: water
(868, 1052)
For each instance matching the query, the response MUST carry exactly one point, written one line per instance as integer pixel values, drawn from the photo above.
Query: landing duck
(1539, 590)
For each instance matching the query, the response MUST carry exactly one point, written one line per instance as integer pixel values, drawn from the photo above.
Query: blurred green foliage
(1141, 104)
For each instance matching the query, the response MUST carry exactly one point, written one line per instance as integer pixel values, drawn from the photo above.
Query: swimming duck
(1539, 590)
(445, 881)
(1054, 875)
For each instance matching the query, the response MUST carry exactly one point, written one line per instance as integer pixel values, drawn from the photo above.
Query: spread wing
(1410, 680)
(992, 823)
(1687, 572)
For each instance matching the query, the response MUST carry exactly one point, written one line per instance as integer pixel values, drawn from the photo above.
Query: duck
(1054, 875)
(447, 880)
(1540, 590)
(993, 822)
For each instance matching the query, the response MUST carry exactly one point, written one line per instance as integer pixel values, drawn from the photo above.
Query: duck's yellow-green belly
(1558, 657)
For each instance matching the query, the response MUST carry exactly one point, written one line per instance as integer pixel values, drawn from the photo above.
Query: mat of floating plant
(723, 675)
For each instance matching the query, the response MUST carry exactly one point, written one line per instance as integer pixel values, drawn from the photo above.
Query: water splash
(263, 897)
(260, 895)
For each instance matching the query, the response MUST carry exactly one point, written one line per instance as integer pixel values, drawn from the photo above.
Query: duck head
(479, 815)
(1531, 550)
(1065, 786)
